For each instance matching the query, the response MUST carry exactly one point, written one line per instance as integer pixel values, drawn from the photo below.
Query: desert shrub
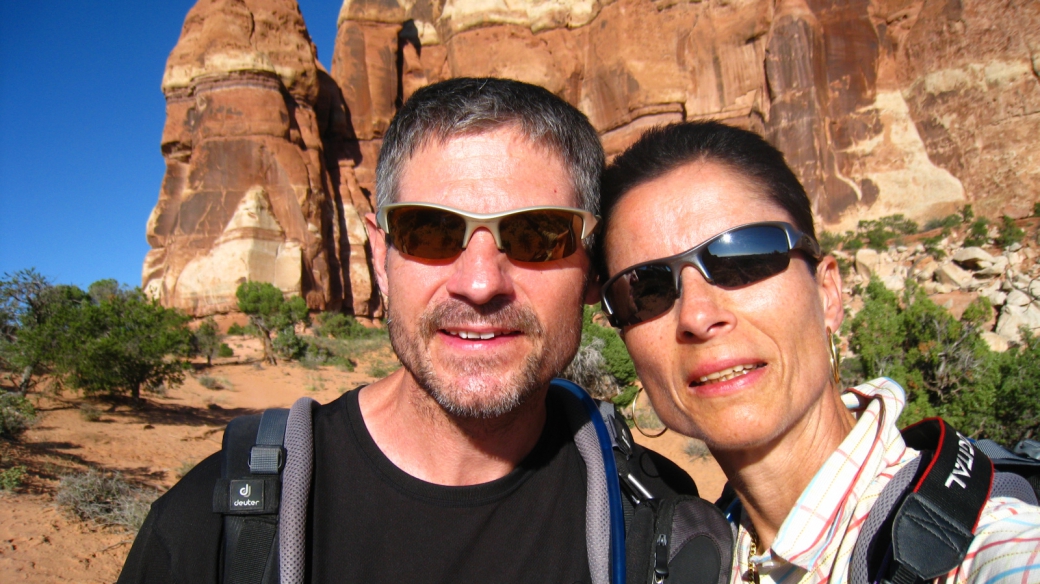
(947, 222)
(289, 345)
(183, 469)
(269, 311)
(225, 351)
(696, 449)
(614, 351)
(238, 330)
(11, 478)
(124, 344)
(1009, 233)
(967, 215)
(942, 363)
(875, 233)
(1017, 412)
(16, 415)
(978, 233)
(1036, 209)
(209, 382)
(206, 340)
(589, 370)
(90, 413)
(343, 353)
(932, 246)
(383, 368)
(831, 241)
(105, 499)
(344, 326)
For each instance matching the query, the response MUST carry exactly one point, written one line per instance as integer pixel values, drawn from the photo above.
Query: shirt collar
(826, 506)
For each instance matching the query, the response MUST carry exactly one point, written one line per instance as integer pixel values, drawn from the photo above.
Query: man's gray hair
(465, 105)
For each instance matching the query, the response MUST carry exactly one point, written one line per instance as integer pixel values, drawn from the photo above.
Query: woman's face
(776, 329)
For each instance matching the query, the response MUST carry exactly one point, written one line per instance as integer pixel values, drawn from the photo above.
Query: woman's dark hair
(666, 148)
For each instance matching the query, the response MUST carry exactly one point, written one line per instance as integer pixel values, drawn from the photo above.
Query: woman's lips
(727, 373)
(727, 380)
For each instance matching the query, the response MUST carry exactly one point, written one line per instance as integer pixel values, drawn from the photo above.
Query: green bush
(225, 351)
(947, 222)
(1009, 233)
(206, 340)
(238, 330)
(344, 326)
(978, 233)
(967, 215)
(602, 365)
(16, 415)
(944, 365)
(1036, 209)
(11, 478)
(269, 311)
(877, 232)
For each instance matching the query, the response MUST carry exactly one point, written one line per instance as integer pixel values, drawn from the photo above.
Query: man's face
(481, 332)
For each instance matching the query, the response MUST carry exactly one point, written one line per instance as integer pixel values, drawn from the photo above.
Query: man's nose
(482, 272)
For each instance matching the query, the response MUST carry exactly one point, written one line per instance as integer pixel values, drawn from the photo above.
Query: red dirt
(153, 446)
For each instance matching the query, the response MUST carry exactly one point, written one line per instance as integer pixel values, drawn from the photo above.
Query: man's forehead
(492, 170)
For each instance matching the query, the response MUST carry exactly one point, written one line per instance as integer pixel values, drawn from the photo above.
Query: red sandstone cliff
(881, 106)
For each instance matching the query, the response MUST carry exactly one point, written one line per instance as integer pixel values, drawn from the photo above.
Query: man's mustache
(498, 313)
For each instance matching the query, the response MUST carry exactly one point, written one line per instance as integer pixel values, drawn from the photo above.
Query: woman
(712, 272)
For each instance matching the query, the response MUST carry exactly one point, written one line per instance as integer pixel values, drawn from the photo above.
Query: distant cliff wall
(881, 106)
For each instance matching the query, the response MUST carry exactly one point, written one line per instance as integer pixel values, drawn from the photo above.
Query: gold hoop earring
(835, 358)
(636, 424)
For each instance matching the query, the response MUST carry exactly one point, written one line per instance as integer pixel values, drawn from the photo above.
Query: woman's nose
(703, 314)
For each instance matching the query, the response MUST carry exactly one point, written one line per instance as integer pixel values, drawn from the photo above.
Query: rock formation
(259, 183)
(882, 106)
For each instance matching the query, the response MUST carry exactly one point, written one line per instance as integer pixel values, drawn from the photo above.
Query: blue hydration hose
(617, 517)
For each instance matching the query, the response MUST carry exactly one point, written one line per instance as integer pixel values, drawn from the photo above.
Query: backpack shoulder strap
(263, 493)
(938, 509)
(248, 495)
(604, 527)
(296, 491)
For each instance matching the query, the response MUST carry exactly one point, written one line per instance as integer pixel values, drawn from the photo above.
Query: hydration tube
(617, 518)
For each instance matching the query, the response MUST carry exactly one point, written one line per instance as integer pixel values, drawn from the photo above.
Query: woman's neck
(770, 478)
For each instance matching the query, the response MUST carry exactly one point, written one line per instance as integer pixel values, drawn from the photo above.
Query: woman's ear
(377, 240)
(828, 280)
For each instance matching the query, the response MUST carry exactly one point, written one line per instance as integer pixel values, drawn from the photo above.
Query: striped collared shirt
(815, 541)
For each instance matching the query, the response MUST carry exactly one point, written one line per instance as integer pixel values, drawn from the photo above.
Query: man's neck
(425, 441)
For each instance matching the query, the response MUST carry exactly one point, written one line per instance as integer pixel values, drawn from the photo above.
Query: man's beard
(475, 387)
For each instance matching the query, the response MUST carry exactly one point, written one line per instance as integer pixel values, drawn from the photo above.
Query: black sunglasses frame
(796, 241)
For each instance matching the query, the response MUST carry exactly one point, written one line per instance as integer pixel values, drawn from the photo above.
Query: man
(459, 467)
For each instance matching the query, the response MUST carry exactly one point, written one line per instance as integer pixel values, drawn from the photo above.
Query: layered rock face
(258, 184)
(881, 106)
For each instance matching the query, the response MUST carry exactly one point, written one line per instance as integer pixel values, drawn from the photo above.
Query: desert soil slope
(155, 445)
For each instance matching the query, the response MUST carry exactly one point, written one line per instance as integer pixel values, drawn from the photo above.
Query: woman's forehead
(677, 211)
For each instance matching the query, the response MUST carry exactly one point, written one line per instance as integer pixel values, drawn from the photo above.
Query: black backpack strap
(937, 512)
(248, 495)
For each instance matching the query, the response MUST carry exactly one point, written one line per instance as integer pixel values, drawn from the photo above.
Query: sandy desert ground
(154, 445)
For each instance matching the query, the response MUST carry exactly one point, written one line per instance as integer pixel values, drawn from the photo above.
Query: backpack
(637, 526)
(924, 520)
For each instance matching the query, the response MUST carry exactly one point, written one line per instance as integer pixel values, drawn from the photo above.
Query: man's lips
(477, 334)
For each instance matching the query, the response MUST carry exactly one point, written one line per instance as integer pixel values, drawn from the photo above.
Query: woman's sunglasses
(531, 234)
(737, 257)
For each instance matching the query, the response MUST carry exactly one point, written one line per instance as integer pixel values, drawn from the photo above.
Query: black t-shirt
(371, 522)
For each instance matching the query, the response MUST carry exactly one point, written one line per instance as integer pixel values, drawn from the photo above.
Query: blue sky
(81, 116)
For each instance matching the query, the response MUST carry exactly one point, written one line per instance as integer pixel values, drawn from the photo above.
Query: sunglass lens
(431, 234)
(747, 255)
(642, 293)
(540, 236)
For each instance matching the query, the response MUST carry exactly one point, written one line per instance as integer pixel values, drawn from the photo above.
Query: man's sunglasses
(737, 257)
(531, 234)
